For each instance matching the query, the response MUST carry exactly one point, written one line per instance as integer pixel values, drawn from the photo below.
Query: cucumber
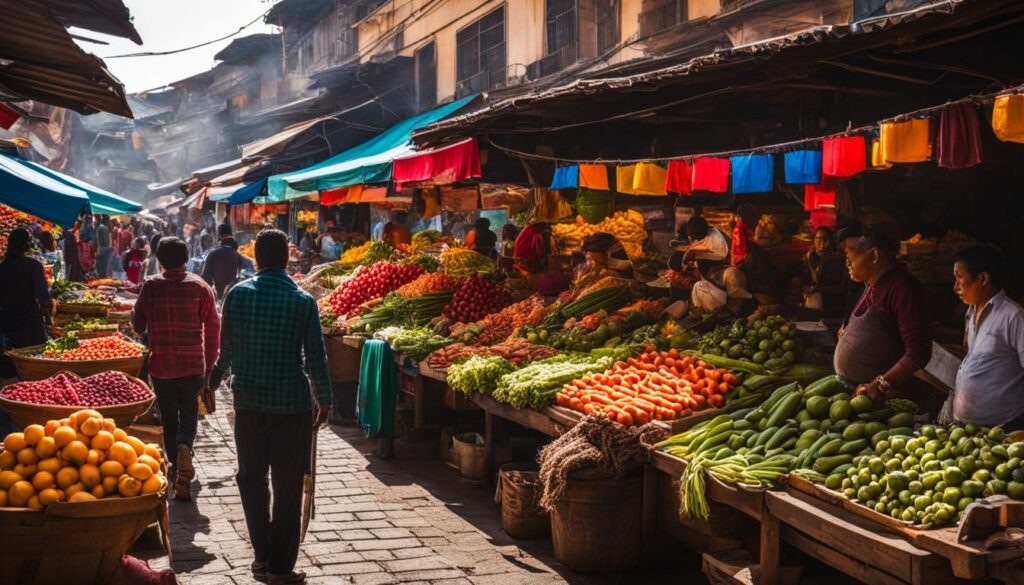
(830, 448)
(785, 432)
(853, 447)
(843, 468)
(742, 425)
(786, 408)
(826, 386)
(812, 452)
(901, 419)
(809, 425)
(904, 431)
(755, 416)
(825, 465)
(766, 436)
(737, 415)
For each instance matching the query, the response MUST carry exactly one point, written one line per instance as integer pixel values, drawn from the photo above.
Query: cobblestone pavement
(401, 520)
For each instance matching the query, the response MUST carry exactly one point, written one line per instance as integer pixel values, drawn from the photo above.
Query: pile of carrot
(654, 386)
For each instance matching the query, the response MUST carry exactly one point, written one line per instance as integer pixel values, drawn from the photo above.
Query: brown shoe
(186, 472)
(293, 577)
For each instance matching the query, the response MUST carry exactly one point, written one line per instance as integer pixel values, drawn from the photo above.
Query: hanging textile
(959, 137)
(431, 203)
(548, 206)
(1008, 118)
(906, 142)
(341, 195)
(878, 162)
(822, 195)
(439, 166)
(624, 179)
(594, 177)
(460, 199)
(679, 178)
(649, 179)
(376, 195)
(752, 173)
(843, 156)
(567, 177)
(711, 174)
(378, 390)
(8, 117)
(803, 166)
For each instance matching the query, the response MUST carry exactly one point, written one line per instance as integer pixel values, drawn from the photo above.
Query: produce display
(10, 219)
(475, 299)
(515, 349)
(105, 389)
(368, 284)
(497, 327)
(478, 374)
(428, 283)
(428, 239)
(70, 348)
(379, 251)
(536, 385)
(395, 310)
(417, 343)
(82, 458)
(626, 226)
(89, 297)
(355, 255)
(606, 299)
(653, 386)
(248, 250)
(462, 263)
(771, 341)
(97, 324)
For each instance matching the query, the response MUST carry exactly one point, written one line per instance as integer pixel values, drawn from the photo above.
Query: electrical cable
(183, 49)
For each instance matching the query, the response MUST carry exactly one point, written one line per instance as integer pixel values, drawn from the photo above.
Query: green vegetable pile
(59, 345)
(478, 375)
(379, 251)
(535, 385)
(97, 324)
(416, 343)
(398, 311)
(770, 341)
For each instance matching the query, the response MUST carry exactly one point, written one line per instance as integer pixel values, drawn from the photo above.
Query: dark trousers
(278, 443)
(179, 410)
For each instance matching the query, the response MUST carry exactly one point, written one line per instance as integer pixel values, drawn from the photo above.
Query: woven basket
(36, 368)
(25, 413)
(82, 309)
(75, 542)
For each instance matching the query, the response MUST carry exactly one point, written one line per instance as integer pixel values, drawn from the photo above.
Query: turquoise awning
(29, 191)
(100, 200)
(369, 162)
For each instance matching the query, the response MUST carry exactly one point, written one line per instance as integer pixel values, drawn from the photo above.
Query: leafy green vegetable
(535, 385)
(478, 374)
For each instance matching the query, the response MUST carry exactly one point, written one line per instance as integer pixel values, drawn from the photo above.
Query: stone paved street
(378, 521)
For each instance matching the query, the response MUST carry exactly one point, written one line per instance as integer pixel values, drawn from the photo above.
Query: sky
(166, 25)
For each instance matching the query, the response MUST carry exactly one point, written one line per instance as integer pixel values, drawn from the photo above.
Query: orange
(26, 471)
(49, 496)
(108, 425)
(15, 442)
(95, 457)
(46, 447)
(19, 493)
(3, 498)
(153, 450)
(81, 438)
(140, 471)
(42, 480)
(51, 427)
(81, 415)
(64, 422)
(33, 433)
(119, 434)
(111, 468)
(8, 460)
(123, 453)
(102, 440)
(99, 492)
(75, 452)
(63, 435)
(34, 503)
(67, 477)
(153, 484)
(28, 456)
(139, 446)
(152, 463)
(8, 478)
(90, 426)
(90, 475)
(73, 489)
(128, 486)
(81, 497)
(50, 465)
(109, 485)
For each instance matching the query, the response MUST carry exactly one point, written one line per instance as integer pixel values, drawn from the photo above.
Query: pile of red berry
(475, 299)
(106, 389)
(371, 283)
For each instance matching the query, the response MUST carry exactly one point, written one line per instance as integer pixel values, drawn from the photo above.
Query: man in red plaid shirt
(178, 311)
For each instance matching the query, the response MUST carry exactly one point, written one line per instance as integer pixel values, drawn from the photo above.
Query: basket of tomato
(83, 357)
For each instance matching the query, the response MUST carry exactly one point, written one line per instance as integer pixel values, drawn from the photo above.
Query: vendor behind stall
(719, 284)
(601, 258)
(824, 281)
(990, 382)
(395, 232)
(532, 247)
(887, 336)
(481, 239)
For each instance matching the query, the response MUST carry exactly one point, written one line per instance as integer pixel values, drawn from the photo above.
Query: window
(658, 15)
(560, 25)
(578, 30)
(426, 77)
(480, 54)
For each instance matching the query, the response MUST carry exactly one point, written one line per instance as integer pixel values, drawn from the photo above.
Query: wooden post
(649, 511)
(770, 542)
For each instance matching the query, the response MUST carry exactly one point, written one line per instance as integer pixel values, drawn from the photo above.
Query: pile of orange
(78, 459)
(103, 348)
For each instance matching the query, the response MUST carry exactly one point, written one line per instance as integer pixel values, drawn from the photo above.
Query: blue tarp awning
(29, 191)
(244, 193)
(100, 200)
(369, 162)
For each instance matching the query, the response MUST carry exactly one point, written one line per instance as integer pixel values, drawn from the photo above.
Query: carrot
(672, 353)
(561, 399)
(589, 408)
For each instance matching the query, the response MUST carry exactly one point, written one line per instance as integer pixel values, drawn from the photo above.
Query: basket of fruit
(83, 357)
(115, 395)
(89, 493)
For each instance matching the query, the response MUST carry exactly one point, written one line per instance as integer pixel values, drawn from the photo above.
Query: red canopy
(439, 166)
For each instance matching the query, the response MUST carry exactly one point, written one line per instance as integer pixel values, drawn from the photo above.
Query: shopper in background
(484, 240)
(152, 266)
(990, 382)
(179, 313)
(134, 261)
(72, 264)
(104, 248)
(25, 303)
(395, 232)
(825, 281)
(276, 411)
(223, 263)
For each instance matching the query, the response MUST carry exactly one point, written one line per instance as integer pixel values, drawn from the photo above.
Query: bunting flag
(567, 177)
(822, 195)
(649, 179)
(341, 195)
(1008, 118)
(594, 177)
(752, 173)
(802, 166)
(959, 137)
(624, 179)
(906, 142)
(878, 162)
(843, 156)
(679, 178)
(711, 174)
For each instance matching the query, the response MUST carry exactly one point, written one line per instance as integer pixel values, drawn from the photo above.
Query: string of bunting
(906, 138)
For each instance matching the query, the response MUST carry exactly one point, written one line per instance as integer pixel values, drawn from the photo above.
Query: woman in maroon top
(887, 336)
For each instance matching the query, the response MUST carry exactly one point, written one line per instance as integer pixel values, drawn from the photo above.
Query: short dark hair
(272, 250)
(978, 259)
(172, 253)
(697, 228)
(223, 230)
(19, 242)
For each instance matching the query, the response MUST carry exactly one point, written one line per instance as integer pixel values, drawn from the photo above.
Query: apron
(867, 348)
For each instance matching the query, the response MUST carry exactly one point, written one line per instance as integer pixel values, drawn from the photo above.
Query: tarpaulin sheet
(26, 190)
(439, 166)
(242, 194)
(369, 162)
(101, 200)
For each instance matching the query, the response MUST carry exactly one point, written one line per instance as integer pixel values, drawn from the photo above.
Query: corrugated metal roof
(106, 16)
